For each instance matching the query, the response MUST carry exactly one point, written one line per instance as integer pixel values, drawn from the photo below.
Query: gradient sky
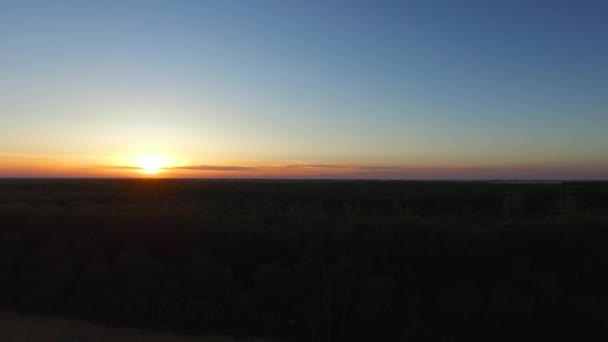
(330, 89)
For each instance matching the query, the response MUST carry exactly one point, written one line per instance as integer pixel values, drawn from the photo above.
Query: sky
(488, 89)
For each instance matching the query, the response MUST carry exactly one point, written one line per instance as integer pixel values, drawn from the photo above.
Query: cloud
(379, 168)
(320, 170)
(124, 167)
(193, 167)
(339, 166)
(344, 171)
(315, 166)
(213, 168)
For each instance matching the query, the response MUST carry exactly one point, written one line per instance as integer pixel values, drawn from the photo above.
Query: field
(310, 260)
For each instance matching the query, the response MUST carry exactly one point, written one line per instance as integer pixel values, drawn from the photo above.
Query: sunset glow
(400, 90)
(151, 164)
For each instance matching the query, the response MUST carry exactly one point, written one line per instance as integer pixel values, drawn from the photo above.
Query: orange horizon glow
(166, 166)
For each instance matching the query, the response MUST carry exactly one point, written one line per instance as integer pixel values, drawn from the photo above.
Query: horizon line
(490, 180)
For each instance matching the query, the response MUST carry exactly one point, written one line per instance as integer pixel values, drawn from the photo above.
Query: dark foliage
(312, 260)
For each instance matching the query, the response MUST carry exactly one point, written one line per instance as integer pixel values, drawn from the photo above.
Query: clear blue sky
(488, 86)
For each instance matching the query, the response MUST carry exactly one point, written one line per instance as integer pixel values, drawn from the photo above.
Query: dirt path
(32, 328)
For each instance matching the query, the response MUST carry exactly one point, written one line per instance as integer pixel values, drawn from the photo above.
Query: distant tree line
(312, 260)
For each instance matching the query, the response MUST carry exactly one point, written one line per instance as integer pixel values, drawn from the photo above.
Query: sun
(151, 164)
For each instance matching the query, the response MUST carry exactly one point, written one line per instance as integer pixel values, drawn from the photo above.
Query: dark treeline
(312, 260)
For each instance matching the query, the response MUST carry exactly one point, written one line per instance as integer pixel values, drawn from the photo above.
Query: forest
(317, 261)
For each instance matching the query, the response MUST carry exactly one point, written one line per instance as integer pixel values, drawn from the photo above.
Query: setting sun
(151, 164)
